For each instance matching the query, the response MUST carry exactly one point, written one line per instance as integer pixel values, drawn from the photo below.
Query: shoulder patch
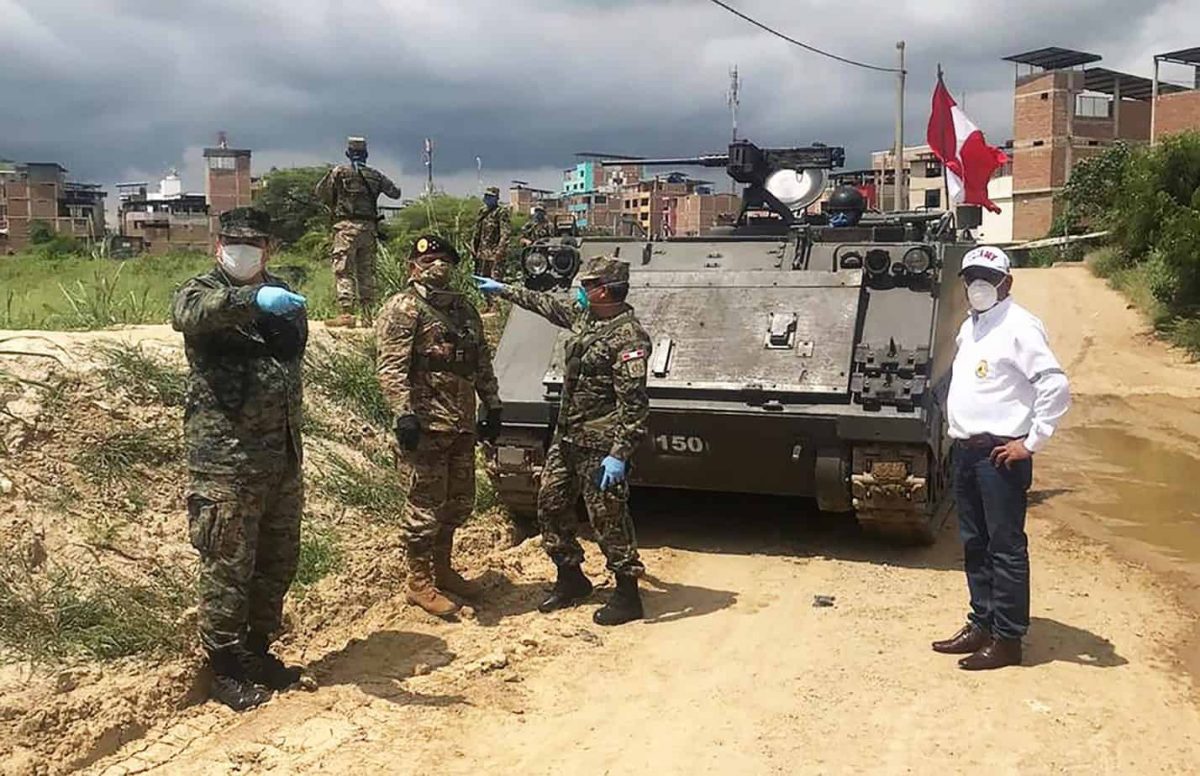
(630, 355)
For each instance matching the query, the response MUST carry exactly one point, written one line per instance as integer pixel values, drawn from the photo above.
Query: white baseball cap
(988, 257)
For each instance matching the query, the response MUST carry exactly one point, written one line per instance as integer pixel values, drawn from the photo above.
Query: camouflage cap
(493, 190)
(605, 269)
(247, 222)
(432, 245)
(538, 206)
(356, 144)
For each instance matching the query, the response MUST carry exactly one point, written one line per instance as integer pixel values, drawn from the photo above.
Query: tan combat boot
(421, 590)
(345, 320)
(444, 574)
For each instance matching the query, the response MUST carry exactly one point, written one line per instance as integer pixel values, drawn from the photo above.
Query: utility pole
(899, 171)
(428, 168)
(733, 98)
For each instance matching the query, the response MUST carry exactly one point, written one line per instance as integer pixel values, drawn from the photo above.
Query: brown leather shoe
(970, 639)
(997, 653)
(345, 321)
(422, 592)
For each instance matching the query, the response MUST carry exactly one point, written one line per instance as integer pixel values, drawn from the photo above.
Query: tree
(289, 196)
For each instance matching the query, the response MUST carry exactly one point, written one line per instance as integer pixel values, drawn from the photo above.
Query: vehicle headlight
(535, 263)
(564, 262)
(918, 260)
(878, 262)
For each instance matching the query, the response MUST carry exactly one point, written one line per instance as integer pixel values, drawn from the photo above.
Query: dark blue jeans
(991, 522)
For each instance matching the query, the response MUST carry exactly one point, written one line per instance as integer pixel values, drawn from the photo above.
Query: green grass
(77, 292)
(376, 491)
(120, 456)
(56, 613)
(1135, 281)
(346, 374)
(143, 377)
(320, 556)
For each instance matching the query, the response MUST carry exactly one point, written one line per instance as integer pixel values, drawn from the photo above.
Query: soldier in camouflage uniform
(433, 360)
(492, 231)
(351, 191)
(244, 333)
(537, 228)
(602, 418)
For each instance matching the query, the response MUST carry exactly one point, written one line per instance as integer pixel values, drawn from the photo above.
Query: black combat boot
(625, 604)
(270, 670)
(570, 588)
(231, 682)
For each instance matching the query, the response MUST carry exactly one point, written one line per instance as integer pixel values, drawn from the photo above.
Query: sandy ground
(735, 671)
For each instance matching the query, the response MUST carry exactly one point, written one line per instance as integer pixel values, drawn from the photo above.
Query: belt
(980, 441)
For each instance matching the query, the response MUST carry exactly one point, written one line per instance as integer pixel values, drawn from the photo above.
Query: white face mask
(981, 295)
(241, 262)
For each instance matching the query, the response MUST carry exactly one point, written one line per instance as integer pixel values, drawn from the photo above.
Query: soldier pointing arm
(603, 416)
(244, 334)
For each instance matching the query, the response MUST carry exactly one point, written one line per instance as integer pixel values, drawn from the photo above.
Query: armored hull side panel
(778, 369)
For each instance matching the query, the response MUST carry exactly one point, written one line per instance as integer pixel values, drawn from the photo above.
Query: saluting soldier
(603, 416)
(351, 191)
(433, 361)
(244, 333)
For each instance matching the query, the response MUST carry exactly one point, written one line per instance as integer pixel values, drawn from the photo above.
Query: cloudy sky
(123, 89)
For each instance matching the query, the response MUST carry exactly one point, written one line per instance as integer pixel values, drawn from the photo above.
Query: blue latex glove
(278, 301)
(487, 285)
(614, 472)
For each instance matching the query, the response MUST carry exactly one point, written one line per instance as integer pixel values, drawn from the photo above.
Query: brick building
(1065, 110)
(1176, 111)
(699, 214)
(39, 192)
(227, 181)
(163, 221)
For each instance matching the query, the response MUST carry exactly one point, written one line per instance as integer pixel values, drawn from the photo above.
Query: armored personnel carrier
(798, 354)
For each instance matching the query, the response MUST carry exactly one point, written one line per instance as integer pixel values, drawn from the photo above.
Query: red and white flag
(959, 144)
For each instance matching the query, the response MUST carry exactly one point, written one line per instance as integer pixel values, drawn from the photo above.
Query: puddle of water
(1142, 490)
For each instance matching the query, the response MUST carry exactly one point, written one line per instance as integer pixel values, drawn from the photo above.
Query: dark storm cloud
(117, 87)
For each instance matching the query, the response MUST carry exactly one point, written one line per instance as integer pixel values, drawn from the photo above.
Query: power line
(804, 46)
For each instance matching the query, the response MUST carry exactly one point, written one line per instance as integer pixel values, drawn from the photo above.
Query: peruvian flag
(958, 143)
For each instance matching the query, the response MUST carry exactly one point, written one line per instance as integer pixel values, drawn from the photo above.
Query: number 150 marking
(678, 444)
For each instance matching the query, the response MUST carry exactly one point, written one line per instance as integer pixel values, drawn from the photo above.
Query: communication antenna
(428, 167)
(733, 99)
(479, 170)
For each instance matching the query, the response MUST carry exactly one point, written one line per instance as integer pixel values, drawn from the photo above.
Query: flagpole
(945, 179)
(899, 156)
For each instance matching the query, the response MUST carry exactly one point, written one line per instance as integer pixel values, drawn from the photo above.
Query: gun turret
(801, 183)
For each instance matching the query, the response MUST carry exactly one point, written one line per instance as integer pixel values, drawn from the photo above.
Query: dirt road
(735, 671)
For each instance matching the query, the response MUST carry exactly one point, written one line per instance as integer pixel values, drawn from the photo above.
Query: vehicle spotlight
(878, 262)
(535, 263)
(917, 261)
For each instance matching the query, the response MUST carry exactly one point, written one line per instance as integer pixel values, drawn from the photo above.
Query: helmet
(845, 206)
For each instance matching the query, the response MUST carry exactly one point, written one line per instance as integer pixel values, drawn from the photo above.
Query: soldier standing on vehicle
(433, 360)
(1007, 396)
(602, 417)
(492, 231)
(537, 228)
(244, 333)
(351, 191)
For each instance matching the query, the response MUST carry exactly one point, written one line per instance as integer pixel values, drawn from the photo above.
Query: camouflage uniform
(604, 411)
(535, 230)
(433, 359)
(242, 432)
(352, 196)
(490, 243)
